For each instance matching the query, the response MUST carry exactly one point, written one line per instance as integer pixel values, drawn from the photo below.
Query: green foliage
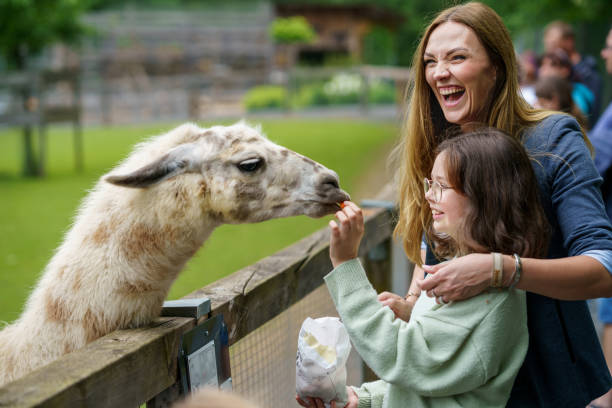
(265, 97)
(291, 30)
(379, 47)
(28, 26)
(36, 213)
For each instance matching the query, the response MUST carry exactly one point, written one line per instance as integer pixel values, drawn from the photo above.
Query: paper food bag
(323, 348)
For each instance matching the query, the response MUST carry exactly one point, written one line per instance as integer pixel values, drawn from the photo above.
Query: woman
(465, 72)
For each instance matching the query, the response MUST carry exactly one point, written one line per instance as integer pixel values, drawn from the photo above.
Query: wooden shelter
(340, 29)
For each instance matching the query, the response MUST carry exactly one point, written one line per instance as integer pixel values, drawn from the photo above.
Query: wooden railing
(129, 367)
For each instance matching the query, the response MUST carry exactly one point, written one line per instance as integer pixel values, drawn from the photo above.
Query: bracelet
(497, 271)
(518, 268)
(410, 294)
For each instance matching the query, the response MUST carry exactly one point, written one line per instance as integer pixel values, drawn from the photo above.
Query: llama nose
(330, 180)
(330, 188)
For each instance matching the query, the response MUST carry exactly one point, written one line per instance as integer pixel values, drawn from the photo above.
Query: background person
(555, 94)
(468, 76)
(528, 70)
(557, 64)
(601, 137)
(559, 34)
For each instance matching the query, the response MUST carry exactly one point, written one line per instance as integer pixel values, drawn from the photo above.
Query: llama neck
(112, 273)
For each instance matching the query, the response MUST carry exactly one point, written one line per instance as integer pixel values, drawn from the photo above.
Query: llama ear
(181, 159)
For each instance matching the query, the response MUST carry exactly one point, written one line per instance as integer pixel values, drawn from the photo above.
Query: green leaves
(292, 30)
(28, 26)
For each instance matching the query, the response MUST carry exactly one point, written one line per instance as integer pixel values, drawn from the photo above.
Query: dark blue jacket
(564, 366)
(601, 137)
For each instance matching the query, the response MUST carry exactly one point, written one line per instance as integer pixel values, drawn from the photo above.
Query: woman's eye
(428, 61)
(458, 57)
(250, 165)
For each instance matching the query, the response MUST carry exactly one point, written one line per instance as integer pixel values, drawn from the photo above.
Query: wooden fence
(129, 367)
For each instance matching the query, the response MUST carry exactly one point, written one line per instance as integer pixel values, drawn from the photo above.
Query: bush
(341, 89)
(382, 92)
(265, 97)
(291, 30)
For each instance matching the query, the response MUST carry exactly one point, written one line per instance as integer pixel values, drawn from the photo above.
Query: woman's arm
(573, 278)
(570, 187)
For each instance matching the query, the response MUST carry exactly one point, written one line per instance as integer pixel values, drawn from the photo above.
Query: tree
(26, 28)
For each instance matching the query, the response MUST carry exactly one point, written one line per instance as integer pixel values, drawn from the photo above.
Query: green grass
(35, 213)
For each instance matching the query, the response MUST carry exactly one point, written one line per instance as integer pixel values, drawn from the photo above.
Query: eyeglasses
(435, 187)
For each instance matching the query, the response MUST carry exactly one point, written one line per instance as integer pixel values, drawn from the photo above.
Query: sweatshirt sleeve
(372, 394)
(430, 355)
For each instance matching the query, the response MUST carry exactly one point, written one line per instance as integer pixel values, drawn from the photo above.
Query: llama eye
(250, 165)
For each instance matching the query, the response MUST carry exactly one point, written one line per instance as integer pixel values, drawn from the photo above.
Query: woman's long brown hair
(494, 172)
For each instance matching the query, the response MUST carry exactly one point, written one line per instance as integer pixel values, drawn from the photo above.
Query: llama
(144, 220)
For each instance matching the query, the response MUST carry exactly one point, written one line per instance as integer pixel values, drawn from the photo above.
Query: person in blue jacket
(601, 137)
(465, 76)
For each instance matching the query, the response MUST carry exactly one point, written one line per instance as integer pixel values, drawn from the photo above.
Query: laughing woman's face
(459, 72)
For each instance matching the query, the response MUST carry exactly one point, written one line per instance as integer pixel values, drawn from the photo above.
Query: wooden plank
(122, 369)
(253, 295)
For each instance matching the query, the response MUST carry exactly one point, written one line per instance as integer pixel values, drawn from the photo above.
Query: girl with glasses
(483, 197)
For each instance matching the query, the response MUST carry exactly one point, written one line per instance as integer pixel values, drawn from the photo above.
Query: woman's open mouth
(451, 94)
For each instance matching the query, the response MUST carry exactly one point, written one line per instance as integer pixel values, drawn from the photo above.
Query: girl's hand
(458, 279)
(353, 401)
(401, 307)
(346, 234)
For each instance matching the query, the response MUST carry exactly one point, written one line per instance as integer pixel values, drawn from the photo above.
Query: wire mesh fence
(263, 362)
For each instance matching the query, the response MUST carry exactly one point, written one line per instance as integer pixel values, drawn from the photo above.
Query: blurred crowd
(562, 78)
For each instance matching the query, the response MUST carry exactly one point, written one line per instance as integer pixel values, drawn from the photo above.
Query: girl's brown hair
(494, 172)
(425, 125)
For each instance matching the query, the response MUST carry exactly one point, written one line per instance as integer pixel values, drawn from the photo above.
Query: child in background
(484, 198)
(557, 64)
(555, 93)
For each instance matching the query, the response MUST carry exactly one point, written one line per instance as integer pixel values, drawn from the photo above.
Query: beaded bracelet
(518, 268)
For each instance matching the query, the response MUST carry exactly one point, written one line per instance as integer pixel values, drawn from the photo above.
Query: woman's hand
(346, 234)
(401, 307)
(353, 401)
(458, 279)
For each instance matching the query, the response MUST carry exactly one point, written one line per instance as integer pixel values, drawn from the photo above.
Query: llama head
(240, 176)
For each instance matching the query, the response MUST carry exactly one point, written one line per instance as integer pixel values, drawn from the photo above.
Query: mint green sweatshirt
(462, 354)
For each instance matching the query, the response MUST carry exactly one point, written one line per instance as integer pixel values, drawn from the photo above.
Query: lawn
(35, 213)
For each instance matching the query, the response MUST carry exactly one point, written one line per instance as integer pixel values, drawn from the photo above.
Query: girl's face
(459, 72)
(450, 211)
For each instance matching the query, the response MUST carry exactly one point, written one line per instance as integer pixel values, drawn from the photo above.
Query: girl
(483, 197)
